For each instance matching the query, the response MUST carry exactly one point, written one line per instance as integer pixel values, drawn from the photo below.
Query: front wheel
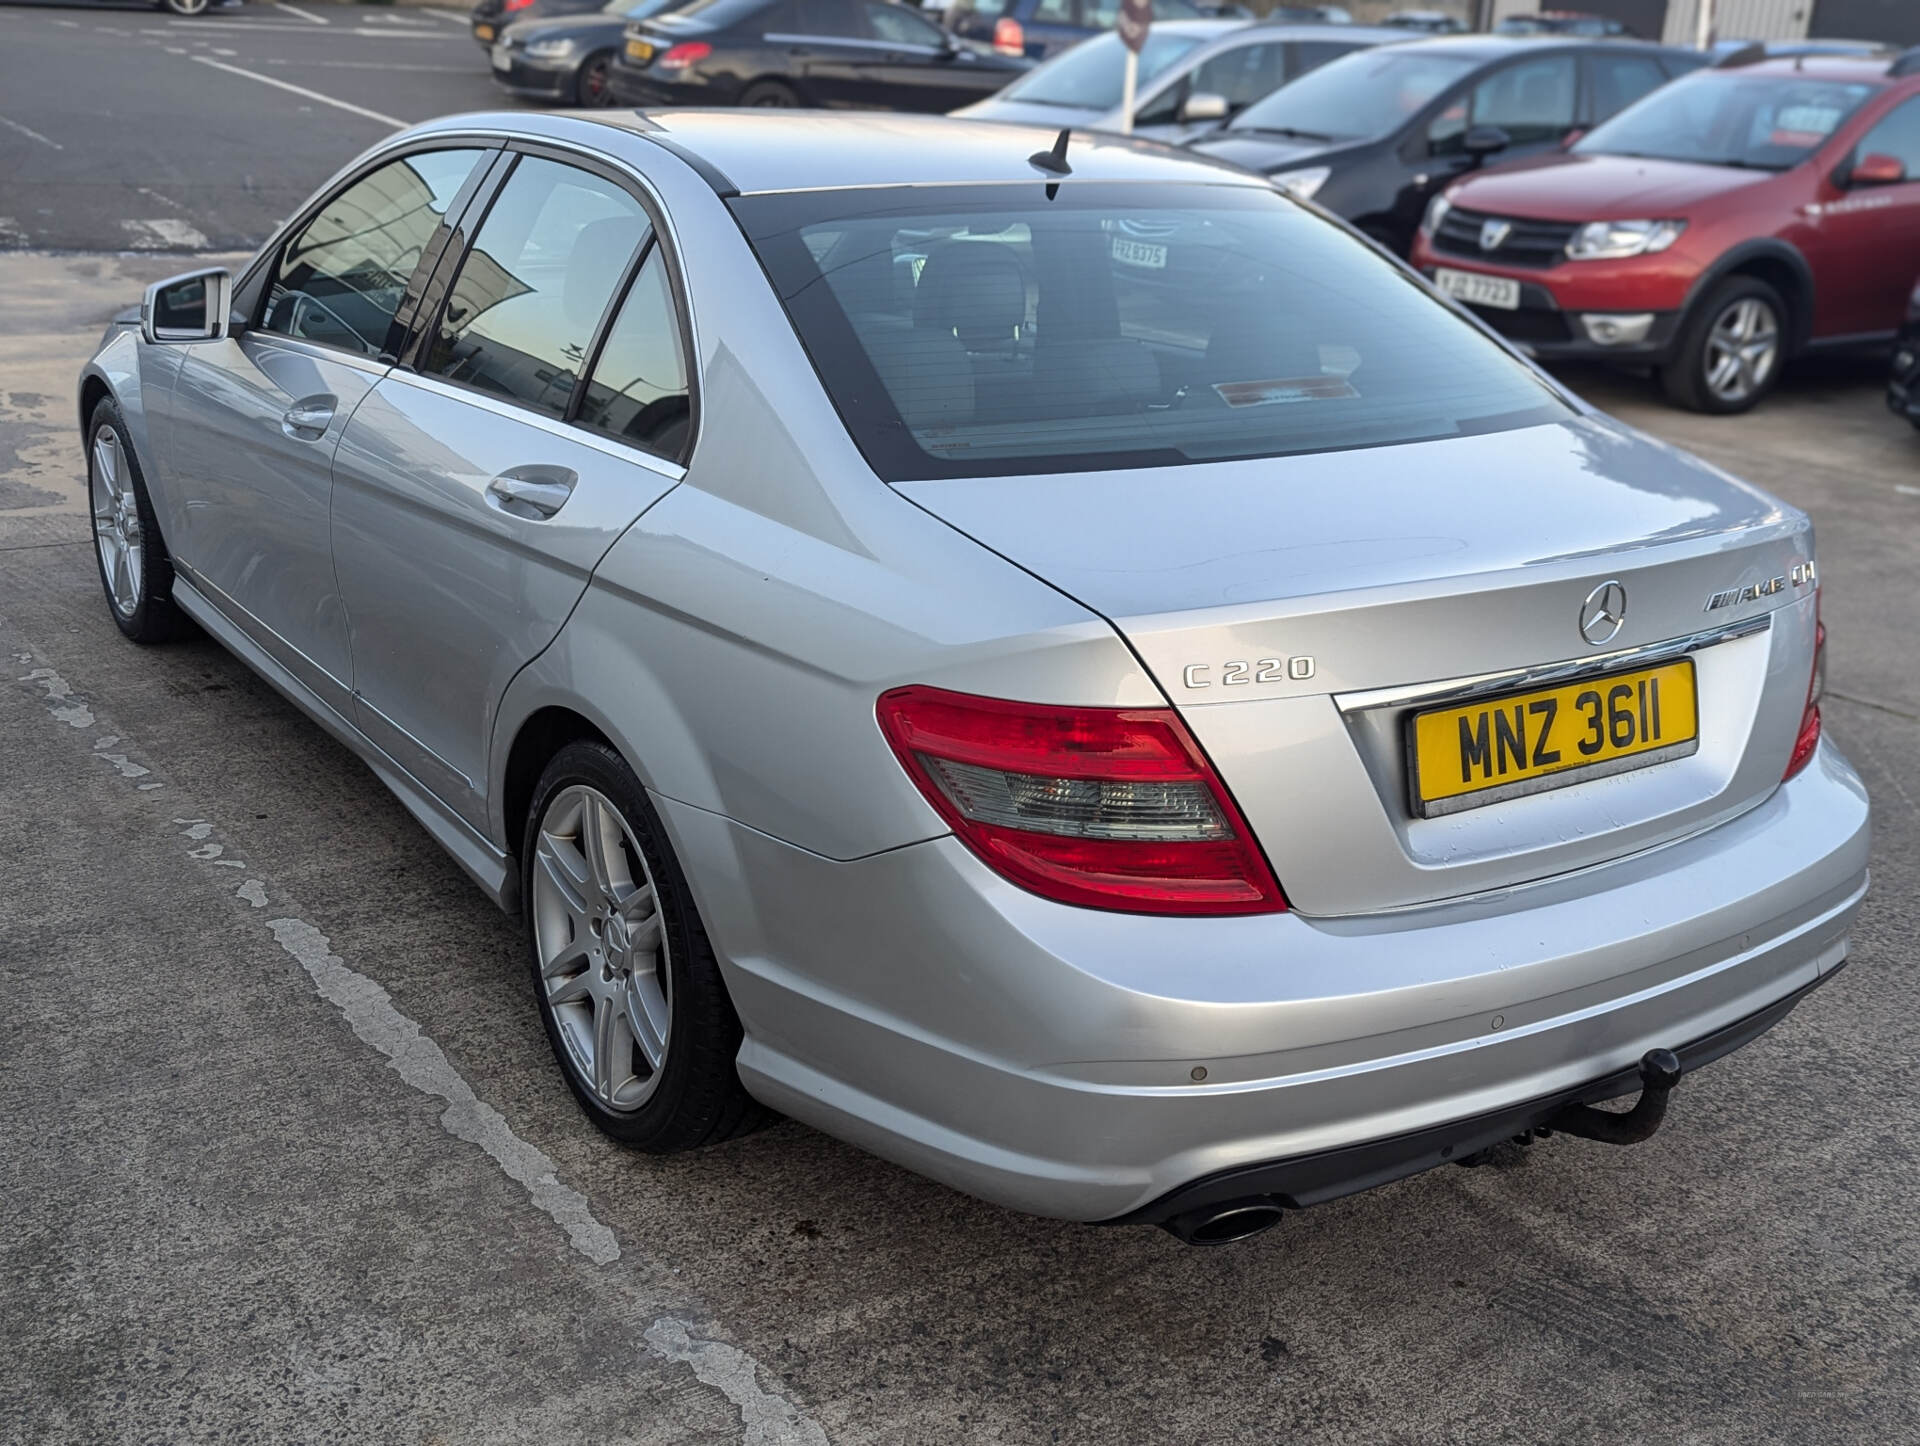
(1730, 350)
(590, 86)
(629, 991)
(135, 571)
(183, 7)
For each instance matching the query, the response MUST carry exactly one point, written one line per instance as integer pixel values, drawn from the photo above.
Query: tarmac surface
(284, 1155)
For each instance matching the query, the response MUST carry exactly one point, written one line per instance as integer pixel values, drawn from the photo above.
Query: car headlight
(1437, 210)
(1613, 240)
(549, 49)
(1304, 183)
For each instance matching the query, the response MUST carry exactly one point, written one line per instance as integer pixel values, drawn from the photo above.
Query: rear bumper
(631, 86)
(1315, 1179)
(1045, 1057)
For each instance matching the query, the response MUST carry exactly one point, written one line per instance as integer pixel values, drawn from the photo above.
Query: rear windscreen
(989, 330)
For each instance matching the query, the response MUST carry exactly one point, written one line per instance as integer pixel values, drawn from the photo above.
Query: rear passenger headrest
(976, 290)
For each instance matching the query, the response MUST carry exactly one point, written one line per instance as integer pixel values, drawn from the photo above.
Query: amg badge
(1802, 575)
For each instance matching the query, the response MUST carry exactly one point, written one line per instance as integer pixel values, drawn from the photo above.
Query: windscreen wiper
(1298, 135)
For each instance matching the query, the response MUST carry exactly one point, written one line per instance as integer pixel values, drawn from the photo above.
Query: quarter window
(899, 25)
(638, 390)
(342, 277)
(532, 290)
(1897, 134)
(1242, 76)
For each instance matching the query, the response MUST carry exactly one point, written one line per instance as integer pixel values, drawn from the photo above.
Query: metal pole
(1126, 91)
(1702, 24)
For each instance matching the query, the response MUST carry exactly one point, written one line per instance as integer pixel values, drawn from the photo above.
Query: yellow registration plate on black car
(1469, 755)
(639, 50)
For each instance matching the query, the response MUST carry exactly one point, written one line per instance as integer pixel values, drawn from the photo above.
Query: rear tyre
(1730, 349)
(629, 992)
(184, 7)
(135, 571)
(590, 86)
(769, 93)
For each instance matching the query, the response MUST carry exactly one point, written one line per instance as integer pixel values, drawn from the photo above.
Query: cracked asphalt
(284, 1156)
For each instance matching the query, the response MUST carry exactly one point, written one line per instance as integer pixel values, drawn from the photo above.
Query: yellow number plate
(483, 32)
(1492, 749)
(639, 50)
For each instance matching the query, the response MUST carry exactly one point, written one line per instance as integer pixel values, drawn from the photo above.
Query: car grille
(1526, 326)
(1530, 243)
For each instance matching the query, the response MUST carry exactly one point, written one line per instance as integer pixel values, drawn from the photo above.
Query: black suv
(1374, 135)
(1903, 387)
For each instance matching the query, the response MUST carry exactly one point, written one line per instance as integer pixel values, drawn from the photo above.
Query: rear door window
(341, 278)
(1243, 75)
(532, 289)
(638, 389)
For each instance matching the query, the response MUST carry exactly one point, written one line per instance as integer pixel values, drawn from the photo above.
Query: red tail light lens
(1008, 36)
(1809, 736)
(686, 53)
(515, 4)
(1109, 808)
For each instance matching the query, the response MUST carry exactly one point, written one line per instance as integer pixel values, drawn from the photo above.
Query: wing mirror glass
(1485, 140)
(1204, 106)
(1877, 169)
(191, 307)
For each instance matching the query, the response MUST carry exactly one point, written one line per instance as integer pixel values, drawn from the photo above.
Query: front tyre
(1730, 349)
(591, 86)
(134, 568)
(629, 991)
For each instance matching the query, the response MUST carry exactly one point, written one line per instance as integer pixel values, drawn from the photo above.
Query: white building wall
(1740, 20)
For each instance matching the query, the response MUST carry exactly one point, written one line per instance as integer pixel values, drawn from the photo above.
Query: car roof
(1199, 27)
(1307, 30)
(803, 150)
(1499, 47)
(1826, 67)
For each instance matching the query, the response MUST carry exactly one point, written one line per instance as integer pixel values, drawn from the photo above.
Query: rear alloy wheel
(631, 996)
(764, 93)
(1731, 350)
(590, 86)
(185, 7)
(134, 569)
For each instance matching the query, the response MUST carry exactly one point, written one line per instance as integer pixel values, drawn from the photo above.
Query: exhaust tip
(1224, 1224)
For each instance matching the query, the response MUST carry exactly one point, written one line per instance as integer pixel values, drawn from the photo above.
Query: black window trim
(251, 291)
(659, 233)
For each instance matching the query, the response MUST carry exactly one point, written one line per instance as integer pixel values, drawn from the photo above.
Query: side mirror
(1485, 140)
(1877, 169)
(1204, 106)
(192, 307)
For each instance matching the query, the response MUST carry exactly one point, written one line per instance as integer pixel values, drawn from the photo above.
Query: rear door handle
(535, 492)
(307, 420)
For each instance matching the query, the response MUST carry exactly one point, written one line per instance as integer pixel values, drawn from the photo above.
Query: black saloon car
(489, 17)
(837, 54)
(1374, 135)
(565, 60)
(1903, 387)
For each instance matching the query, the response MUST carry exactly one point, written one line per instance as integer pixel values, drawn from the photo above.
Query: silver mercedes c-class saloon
(1043, 657)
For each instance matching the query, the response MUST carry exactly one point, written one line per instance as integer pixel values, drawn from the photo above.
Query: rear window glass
(1092, 74)
(990, 330)
(1369, 93)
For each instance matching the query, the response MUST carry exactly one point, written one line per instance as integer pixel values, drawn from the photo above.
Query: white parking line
(30, 133)
(164, 233)
(286, 85)
(304, 15)
(767, 1417)
(454, 16)
(366, 65)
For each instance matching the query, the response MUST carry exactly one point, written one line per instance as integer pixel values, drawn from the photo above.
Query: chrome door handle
(534, 492)
(308, 419)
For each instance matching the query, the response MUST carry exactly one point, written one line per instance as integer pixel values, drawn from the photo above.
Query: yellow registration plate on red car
(639, 50)
(1469, 755)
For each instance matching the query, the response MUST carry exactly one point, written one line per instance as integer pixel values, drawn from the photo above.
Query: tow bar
(1659, 1073)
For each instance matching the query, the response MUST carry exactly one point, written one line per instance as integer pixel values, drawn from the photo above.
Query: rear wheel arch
(93, 390)
(541, 735)
(1778, 264)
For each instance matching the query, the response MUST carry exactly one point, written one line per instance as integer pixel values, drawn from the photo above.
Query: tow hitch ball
(1659, 1073)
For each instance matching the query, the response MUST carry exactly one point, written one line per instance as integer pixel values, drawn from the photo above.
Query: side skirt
(492, 870)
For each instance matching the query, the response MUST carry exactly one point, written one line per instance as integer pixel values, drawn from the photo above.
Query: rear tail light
(1008, 36)
(1809, 736)
(1110, 808)
(686, 53)
(510, 5)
